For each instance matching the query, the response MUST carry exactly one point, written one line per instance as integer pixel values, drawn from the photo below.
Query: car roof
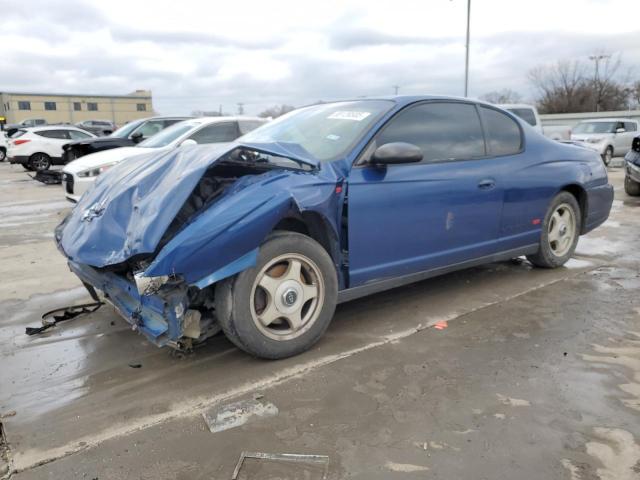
(207, 120)
(51, 127)
(515, 105)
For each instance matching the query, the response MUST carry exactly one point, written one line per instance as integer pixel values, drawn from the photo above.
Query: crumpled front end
(156, 240)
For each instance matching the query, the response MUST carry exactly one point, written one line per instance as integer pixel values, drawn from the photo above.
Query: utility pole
(396, 88)
(240, 108)
(596, 78)
(220, 110)
(466, 59)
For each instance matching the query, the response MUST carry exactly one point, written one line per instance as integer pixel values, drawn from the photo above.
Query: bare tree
(276, 111)
(567, 87)
(506, 95)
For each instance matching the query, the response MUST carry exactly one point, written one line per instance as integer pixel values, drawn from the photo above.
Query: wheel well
(40, 153)
(581, 196)
(312, 225)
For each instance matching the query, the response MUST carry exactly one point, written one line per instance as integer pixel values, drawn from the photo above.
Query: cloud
(202, 54)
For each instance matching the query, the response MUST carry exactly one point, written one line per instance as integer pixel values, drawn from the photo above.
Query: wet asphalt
(502, 371)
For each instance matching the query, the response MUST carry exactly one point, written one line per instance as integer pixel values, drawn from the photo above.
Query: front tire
(560, 232)
(283, 305)
(631, 187)
(39, 162)
(607, 156)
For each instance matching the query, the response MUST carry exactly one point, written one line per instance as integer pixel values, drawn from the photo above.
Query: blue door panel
(409, 218)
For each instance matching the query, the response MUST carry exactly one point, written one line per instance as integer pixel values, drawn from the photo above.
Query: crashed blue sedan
(262, 238)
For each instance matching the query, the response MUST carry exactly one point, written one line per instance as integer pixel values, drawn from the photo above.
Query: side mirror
(396, 152)
(137, 137)
(189, 142)
(620, 130)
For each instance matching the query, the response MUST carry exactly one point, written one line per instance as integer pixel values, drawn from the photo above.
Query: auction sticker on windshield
(346, 115)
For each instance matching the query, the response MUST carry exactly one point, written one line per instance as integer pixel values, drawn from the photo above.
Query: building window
(92, 106)
(49, 105)
(24, 105)
(77, 106)
(142, 107)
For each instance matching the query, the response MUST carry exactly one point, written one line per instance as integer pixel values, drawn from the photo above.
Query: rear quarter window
(503, 134)
(58, 134)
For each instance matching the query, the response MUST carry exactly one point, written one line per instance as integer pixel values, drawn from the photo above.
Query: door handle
(486, 184)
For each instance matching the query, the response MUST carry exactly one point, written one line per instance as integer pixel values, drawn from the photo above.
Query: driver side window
(442, 130)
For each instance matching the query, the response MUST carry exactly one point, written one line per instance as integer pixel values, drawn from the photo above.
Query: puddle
(626, 354)
(592, 246)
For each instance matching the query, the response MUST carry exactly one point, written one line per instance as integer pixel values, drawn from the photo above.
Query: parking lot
(501, 371)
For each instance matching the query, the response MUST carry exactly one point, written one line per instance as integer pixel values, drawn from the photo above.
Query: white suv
(608, 137)
(40, 147)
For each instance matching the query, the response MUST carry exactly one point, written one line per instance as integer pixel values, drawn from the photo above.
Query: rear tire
(631, 187)
(3, 153)
(283, 305)
(607, 156)
(39, 162)
(560, 232)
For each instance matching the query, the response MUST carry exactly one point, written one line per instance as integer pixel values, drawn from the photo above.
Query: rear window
(18, 133)
(247, 125)
(525, 114)
(502, 132)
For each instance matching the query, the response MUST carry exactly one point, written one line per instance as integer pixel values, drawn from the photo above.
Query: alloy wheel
(562, 230)
(40, 162)
(287, 296)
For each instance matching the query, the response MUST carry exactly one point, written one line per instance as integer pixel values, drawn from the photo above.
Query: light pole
(466, 59)
(396, 88)
(596, 78)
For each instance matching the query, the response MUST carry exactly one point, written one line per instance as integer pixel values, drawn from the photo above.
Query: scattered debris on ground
(237, 414)
(295, 458)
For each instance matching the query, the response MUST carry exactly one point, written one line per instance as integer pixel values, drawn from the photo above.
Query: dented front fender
(223, 239)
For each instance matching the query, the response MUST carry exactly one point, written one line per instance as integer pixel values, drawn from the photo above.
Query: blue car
(263, 237)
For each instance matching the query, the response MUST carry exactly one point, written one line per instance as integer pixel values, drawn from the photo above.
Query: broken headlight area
(149, 285)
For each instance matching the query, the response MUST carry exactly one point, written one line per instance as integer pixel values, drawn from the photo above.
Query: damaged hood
(131, 206)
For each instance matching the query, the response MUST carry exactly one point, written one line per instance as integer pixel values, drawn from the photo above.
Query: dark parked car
(264, 236)
(632, 169)
(98, 127)
(126, 136)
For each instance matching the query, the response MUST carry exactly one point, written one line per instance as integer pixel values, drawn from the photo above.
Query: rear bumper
(159, 317)
(599, 202)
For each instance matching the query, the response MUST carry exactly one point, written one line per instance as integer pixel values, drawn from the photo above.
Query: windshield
(168, 135)
(595, 127)
(326, 131)
(125, 130)
(525, 114)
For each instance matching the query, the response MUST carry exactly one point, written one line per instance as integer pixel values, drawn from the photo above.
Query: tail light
(20, 142)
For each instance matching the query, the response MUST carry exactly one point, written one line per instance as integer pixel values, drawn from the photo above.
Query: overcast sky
(195, 55)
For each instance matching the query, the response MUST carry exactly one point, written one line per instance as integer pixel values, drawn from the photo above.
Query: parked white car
(4, 145)
(79, 175)
(38, 148)
(529, 114)
(608, 137)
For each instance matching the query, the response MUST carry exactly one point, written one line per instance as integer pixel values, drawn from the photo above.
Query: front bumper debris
(161, 317)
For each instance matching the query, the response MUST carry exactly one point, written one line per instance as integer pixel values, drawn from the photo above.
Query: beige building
(68, 108)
